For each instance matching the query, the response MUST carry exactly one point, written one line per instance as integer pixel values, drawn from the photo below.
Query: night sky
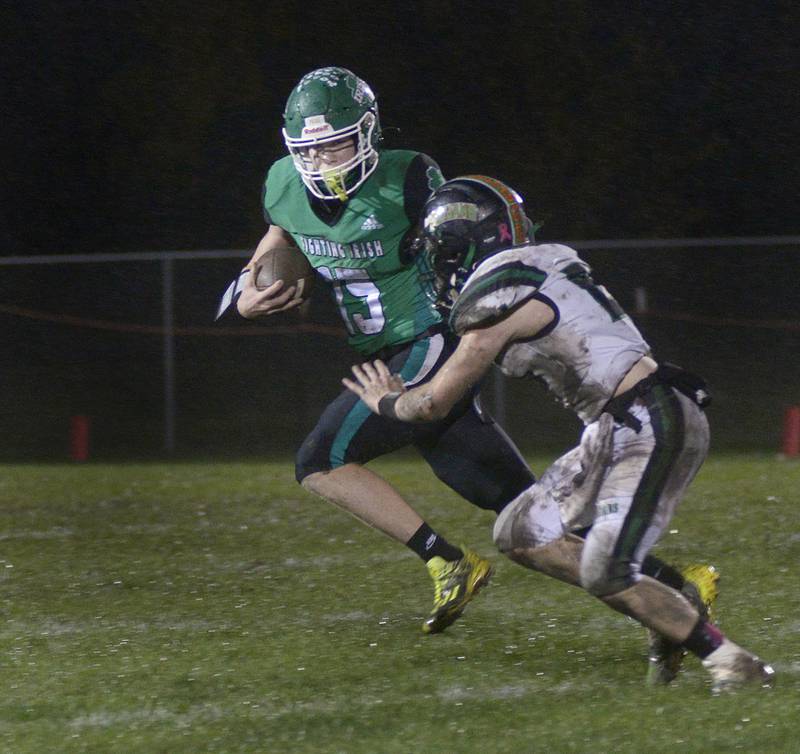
(150, 125)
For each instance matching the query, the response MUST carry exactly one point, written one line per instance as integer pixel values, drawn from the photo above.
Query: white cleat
(732, 667)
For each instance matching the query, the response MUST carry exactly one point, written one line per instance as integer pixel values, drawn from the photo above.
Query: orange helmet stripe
(511, 199)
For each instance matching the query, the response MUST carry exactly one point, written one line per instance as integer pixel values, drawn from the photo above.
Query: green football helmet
(328, 105)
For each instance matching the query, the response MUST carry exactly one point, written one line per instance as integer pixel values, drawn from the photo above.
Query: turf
(219, 608)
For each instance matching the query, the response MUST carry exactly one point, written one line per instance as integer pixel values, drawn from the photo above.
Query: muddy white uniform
(660, 434)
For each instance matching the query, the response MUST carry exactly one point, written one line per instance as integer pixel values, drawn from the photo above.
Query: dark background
(131, 126)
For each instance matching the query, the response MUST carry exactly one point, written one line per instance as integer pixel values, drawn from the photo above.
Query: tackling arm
(384, 394)
(461, 371)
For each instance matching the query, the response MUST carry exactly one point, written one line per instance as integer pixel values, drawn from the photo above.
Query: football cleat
(732, 667)
(664, 657)
(455, 583)
(701, 588)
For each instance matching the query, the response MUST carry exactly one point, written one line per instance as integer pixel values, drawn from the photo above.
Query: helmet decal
(360, 89)
(329, 76)
(435, 177)
(513, 202)
(316, 125)
(447, 212)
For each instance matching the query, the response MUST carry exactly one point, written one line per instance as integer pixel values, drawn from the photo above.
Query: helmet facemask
(450, 260)
(338, 181)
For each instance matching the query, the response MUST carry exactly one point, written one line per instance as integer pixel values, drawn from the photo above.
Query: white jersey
(587, 349)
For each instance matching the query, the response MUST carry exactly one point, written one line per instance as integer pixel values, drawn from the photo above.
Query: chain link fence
(128, 343)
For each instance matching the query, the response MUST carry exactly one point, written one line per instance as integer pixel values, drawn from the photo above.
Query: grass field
(219, 608)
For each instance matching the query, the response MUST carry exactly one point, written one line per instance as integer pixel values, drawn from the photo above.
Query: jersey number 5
(356, 284)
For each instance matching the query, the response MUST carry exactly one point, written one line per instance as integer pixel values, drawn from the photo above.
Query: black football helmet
(464, 221)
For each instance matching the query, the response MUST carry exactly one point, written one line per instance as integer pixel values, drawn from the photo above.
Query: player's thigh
(348, 432)
(472, 455)
(648, 476)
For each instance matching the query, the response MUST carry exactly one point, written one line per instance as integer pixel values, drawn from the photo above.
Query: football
(285, 263)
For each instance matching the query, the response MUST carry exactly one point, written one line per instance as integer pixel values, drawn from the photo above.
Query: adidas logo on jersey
(372, 223)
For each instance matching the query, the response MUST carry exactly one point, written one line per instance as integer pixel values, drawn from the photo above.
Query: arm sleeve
(422, 177)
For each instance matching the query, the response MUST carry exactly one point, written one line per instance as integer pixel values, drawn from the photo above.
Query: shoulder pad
(278, 180)
(499, 284)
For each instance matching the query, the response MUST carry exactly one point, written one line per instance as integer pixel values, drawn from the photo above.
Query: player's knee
(302, 468)
(310, 460)
(604, 577)
(311, 482)
(503, 532)
(531, 520)
(602, 572)
(306, 473)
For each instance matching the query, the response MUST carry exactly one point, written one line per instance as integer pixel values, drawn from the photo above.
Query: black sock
(704, 639)
(428, 544)
(663, 572)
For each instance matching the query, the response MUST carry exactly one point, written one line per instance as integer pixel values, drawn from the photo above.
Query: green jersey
(356, 246)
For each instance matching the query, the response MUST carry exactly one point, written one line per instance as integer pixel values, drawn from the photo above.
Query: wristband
(232, 293)
(387, 403)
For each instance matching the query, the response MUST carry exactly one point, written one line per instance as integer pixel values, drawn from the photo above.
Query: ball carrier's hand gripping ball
(288, 264)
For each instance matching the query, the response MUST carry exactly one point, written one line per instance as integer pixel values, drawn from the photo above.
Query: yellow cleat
(703, 579)
(701, 589)
(455, 583)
